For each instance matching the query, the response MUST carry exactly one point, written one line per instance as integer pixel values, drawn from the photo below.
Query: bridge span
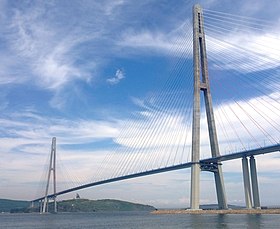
(207, 164)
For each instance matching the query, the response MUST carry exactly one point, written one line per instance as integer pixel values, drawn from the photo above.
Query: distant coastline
(75, 205)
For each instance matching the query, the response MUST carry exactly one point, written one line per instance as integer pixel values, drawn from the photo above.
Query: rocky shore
(228, 211)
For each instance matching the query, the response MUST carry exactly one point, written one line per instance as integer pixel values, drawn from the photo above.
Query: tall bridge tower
(52, 169)
(201, 83)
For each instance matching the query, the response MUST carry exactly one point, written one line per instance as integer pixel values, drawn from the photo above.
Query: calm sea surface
(121, 220)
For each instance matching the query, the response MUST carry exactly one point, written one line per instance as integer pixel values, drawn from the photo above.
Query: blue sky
(84, 71)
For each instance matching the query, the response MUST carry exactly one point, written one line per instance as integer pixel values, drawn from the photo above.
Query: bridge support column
(220, 188)
(55, 205)
(246, 180)
(195, 190)
(41, 206)
(254, 179)
(45, 205)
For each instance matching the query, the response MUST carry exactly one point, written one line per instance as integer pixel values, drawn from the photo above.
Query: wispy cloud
(30, 128)
(119, 75)
(173, 42)
(250, 53)
(48, 56)
(243, 43)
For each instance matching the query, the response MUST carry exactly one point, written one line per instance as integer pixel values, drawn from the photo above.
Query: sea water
(136, 220)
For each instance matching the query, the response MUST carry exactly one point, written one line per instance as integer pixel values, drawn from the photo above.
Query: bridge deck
(246, 153)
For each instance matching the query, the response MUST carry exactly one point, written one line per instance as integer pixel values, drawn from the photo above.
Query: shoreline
(227, 211)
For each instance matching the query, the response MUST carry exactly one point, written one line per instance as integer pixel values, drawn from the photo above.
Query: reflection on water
(224, 221)
(255, 221)
(137, 220)
(221, 221)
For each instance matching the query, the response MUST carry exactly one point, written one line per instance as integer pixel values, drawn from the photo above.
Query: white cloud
(50, 52)
(55, 74)
(48, 56)
(153, 131)
(172, 43)
(242, 44)
(242, 54)
(111, 7)
(119, 75)
(172, 131)
(31, 129)
(229, 46)
(40, 51)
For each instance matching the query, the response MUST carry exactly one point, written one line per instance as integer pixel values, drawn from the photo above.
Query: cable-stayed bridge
(174, 131)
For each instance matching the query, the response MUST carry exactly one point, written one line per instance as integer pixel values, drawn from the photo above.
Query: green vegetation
(84, 205)
(7, 205)
(76, 205)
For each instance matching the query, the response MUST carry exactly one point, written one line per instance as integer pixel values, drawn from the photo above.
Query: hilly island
(75, 205)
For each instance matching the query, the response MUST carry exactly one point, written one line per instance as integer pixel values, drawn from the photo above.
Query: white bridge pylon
(201, 83)
(52, 169)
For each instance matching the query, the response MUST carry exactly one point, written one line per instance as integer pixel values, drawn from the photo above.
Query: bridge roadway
(232, 156)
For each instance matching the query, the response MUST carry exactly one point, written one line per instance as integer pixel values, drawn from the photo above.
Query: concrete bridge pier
(247, 185)
(41, 206)
(254, 179)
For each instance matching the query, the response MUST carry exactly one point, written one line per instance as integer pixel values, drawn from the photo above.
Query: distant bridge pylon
(52, 170)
